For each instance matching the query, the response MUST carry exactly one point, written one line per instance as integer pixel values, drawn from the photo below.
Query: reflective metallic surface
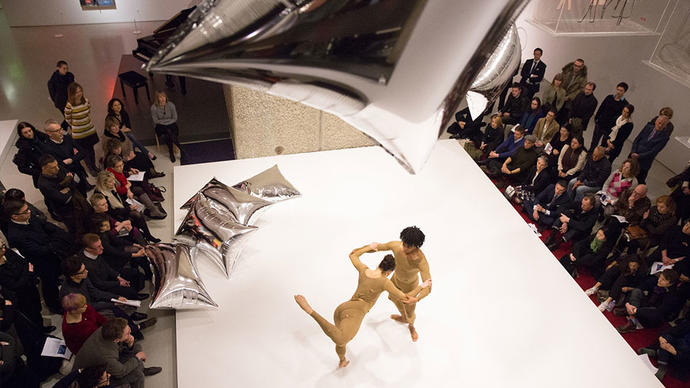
(176, 281)
(241, 204)
(396, 70)
(270, 185)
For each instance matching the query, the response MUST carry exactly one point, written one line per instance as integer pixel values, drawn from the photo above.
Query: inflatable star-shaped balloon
(270, 185)
(241, 204)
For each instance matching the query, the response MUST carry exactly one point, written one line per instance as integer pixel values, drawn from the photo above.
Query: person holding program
(348, 316)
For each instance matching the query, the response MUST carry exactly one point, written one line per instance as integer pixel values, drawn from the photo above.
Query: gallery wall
(58, 12)
(613, 59)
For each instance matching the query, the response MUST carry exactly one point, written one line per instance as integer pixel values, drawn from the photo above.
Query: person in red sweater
(79, 321)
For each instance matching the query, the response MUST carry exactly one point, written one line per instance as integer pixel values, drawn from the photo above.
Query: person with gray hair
(535, 181)
(596, 171)
(517, 166)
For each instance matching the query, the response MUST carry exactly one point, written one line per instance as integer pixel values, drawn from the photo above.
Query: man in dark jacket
(43, 244)
(516, 105)
(582, 109)
(517, 166)
(661, 304)
(57, 87)
(672, 350)
(573, 224)
(574, 78)
(532, 73)
(66, 153)
(609, 110)
(544, 208)
(648, 144)
(593, 176)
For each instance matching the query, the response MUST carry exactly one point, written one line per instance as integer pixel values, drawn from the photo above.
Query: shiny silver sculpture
(177, 284)
(210, 228)
(241, 204)
(396, 70)
(270, 185)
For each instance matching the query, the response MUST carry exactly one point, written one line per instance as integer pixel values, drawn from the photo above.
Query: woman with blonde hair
(164, 117)
(115, 138)
(78, 116)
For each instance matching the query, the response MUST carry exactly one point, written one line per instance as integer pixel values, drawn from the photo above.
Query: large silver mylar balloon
(241, 204)
(177, 282)
(270, 185)
(211, 229)
(396, 70)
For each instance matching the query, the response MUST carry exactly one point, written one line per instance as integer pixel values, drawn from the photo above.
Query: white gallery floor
(502, 312)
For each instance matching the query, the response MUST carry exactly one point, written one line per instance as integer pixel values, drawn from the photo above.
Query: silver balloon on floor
(240, 203)
(270, 185)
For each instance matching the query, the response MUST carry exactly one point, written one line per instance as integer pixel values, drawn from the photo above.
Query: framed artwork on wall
(87, 5)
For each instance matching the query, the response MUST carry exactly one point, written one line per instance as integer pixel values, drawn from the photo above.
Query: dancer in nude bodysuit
(349, 315)
(409, 261)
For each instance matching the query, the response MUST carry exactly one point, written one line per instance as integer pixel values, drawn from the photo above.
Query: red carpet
(636, 339)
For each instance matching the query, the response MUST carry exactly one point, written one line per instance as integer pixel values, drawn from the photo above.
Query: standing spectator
(619, 181)
(668, 112)
(116, 111)
(164, 117)
(113, 345)
(553, 95)
(545, 129)
(619, 133)
(529, 119)
(79, 322)
(78, 116)
(57, 87)
(582, 108)
(680, 185)
(574, 79)
(533, 73)
(516, 105)
(572, 159)
(647, 145)
(609, 110)
(29, 143)
(592, 177)
(43, 244)
(63, 148)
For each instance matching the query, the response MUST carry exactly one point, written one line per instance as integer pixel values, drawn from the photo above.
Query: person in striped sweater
(78, 116)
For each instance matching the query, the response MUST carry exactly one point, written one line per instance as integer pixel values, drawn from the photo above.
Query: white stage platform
(502, 312)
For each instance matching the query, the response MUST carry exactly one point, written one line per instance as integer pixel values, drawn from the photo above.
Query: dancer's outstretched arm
(383, 246)
(356, 253)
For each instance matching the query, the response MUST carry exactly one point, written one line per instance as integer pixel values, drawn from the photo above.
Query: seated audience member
(92, 377)
(66, 153)
(674, 247)
(572, 159)
(545, 129)
(484, 143)
(531, 116)
(77, 282)
(65, 203)
(680, 185)
(79, 322)
(553, 95)
(554, 147)
(503, 151)
(120, 251)
(29, 143)
(125, 188)
(18, 283)
(672, 351)
(589, 252)
(116, 112)
(608, 111)
(43, 244)
(619, 133)
(13, 371)
(619, 181)
(582, 109)
(464, 126)
(101, 203)
(126, 282)
(536, 181)
(592, 177)
(574, 223)
(632, 204)
(662, 304)
(116, 139)
(647, 145)
(18, 195)
(113, 345)
(655, 223)
(544, 209)
(620, 277)
(517, 166)
(516, 105)
(164, 117)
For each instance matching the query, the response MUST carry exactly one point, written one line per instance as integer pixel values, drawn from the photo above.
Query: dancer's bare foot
(398, 317)
(343, 363)
(302, 302)
(413, 333)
